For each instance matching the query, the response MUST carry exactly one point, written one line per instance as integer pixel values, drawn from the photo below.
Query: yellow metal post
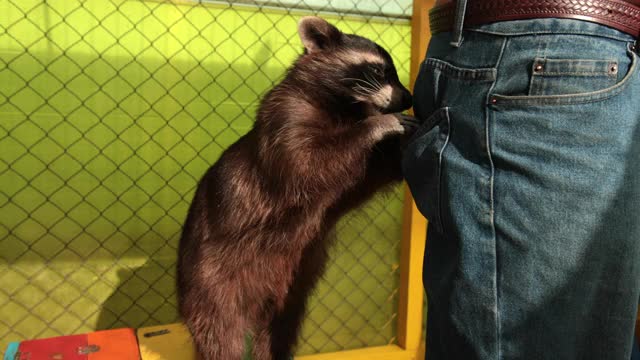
(415, 225)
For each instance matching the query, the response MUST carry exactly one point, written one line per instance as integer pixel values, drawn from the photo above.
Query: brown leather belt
(618, 14)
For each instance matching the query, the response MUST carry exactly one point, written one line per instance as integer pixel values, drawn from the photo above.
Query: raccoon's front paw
(410, 123)
(382, 126)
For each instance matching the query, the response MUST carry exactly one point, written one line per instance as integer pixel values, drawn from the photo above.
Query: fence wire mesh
(111, 110)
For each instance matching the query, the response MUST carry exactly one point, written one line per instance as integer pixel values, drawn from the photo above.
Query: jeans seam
(491, 211)
(440, 158)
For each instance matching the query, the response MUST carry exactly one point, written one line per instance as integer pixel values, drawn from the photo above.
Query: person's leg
(531, 183)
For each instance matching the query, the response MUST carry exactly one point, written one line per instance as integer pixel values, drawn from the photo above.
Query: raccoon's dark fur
(253, 245)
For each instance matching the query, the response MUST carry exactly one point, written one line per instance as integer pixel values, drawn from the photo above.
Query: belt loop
(461, 6)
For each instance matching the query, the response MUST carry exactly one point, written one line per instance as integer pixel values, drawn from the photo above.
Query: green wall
(110, 111)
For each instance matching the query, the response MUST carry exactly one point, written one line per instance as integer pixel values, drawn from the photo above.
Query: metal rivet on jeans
(613, 69)
(538, 68)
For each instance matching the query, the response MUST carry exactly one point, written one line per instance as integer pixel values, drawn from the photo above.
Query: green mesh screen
(110, 111)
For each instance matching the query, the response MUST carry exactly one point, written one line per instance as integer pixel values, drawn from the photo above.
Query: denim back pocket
(571, 76)
(422, 165)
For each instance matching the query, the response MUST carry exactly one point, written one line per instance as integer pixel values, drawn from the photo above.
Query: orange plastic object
(120, 344)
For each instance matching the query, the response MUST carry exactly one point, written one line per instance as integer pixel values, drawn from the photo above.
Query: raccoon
(254, 241)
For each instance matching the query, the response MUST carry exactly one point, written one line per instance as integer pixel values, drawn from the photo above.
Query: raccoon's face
(352, 67)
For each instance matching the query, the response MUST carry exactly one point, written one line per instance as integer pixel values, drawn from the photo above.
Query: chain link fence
(111, 110)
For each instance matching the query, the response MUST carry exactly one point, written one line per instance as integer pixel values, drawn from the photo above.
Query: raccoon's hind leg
(262, 344)
(286, 323)
(217, 328)
(262, 333)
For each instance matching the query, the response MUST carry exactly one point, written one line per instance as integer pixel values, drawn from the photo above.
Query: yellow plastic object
(165, 342)
(389, 352)
(173, 342)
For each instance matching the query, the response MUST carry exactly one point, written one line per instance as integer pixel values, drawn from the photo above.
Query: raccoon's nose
(407, 99)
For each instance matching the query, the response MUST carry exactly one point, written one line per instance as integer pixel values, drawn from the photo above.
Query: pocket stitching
(569, 99)
(452, 71)
(539, 83)
(603, 68)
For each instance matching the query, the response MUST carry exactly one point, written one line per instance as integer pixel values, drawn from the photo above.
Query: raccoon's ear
(317, 34)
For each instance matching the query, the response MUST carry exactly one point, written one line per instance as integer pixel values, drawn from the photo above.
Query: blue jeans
(530, 181)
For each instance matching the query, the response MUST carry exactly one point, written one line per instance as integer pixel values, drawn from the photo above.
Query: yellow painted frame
(410, 345)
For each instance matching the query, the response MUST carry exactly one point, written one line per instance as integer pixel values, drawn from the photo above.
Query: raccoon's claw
(408, 122)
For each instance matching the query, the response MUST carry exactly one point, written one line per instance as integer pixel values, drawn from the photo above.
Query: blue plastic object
(12, 349)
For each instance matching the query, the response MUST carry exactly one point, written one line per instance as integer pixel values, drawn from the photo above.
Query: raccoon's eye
(375, 70)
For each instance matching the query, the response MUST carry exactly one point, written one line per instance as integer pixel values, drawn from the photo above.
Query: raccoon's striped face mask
(354, 66)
